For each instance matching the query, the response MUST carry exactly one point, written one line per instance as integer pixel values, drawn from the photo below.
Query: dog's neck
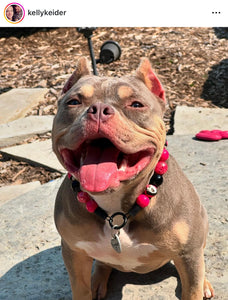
(122, 198)
(110, 202)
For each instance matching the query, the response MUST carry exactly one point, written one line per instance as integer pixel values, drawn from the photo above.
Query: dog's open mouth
(98, 164)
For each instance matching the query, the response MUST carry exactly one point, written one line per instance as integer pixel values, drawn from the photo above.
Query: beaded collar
(142, 200)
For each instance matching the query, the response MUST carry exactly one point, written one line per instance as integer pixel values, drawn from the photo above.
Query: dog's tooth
(122, 168)
(124, 163)
(82, 158)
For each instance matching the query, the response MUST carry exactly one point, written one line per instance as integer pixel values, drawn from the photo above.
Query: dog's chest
(131, 254)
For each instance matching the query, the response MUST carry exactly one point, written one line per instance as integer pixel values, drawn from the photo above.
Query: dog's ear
(81, 70)
(147, 75)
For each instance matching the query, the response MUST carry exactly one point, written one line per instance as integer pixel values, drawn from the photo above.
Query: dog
(125, 203)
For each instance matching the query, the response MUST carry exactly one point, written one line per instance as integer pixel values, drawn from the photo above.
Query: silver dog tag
(115, 242)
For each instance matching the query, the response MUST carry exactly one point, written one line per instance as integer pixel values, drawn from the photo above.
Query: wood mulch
(192, 64)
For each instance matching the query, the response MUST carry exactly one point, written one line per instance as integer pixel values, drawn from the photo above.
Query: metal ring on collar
(111, 219)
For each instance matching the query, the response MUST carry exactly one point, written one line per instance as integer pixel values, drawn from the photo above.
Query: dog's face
(107, 131)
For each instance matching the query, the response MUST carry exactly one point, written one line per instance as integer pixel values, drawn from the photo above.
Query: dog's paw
(208, 290)
(100, 280)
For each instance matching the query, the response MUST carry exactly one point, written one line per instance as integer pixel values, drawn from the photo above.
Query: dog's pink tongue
(99, 169)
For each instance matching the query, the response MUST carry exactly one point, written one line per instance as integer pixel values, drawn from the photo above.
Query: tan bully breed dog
(113, 207)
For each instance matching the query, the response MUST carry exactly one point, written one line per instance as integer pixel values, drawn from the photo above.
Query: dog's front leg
(79, 267)
(191, 270)
(100, 280)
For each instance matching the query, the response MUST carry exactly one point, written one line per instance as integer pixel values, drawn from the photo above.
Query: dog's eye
(74, 102)
(136, 104)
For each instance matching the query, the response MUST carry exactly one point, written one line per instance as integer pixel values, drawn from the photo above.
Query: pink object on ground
(212, 135)
(224, 134)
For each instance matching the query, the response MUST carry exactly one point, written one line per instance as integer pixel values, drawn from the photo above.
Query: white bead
(151, 189)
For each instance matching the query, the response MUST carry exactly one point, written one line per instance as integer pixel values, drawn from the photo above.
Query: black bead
(156, 179)
(75, 185)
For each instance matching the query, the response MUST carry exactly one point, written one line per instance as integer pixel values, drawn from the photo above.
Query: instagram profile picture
(14, 13)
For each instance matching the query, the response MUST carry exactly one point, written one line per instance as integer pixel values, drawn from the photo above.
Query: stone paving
(21, 129)
(17, 102)
(194, 119)
(31, 265)
(38, 152)
(13, 191)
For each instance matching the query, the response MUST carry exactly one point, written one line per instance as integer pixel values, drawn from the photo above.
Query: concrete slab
(18, 130)
(27, 226)
(10, 192)
(191, 120)
(17, 102)
(39, 153)
(30, 246)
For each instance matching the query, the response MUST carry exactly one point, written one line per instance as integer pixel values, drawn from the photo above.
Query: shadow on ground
(221, 32)
(22, 31)
(43, 276)
(216, 86)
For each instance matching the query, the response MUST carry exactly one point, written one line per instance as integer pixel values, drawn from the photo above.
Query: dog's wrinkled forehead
(108, 86)
(105, 89)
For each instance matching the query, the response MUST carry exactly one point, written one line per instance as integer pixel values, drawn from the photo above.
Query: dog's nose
(100, 111)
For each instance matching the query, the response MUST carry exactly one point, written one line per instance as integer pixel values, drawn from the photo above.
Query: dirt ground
(192, 64)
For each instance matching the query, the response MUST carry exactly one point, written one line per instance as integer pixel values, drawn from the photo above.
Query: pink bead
(165, 155)
(69, 175)
(215, 131)
(161, 168)
(91, 206)
(142, 200)
(83, 197)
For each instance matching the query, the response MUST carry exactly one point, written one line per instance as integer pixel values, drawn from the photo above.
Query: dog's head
(107, 131)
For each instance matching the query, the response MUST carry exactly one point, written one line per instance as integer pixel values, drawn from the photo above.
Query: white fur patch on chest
(129, 257)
